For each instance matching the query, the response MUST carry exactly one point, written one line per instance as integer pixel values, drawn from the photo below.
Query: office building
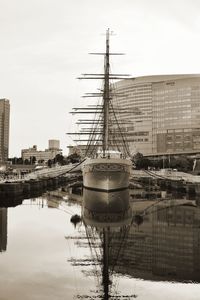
(78, 149)
(54, 144)
(4, 129)
(50, 153)
(163, 113)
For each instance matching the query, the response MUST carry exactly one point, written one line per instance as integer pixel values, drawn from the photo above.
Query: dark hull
(106, 209)
(106, 202)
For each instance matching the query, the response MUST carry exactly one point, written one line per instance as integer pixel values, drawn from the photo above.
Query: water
(44, 256)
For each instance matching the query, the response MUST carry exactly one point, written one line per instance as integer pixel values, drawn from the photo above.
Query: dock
(36, 183)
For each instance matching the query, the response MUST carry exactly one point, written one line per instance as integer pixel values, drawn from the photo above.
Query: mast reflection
(110, 225)
(153, 240)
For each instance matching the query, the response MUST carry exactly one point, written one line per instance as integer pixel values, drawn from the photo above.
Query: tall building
(4, 129)
(163, 113)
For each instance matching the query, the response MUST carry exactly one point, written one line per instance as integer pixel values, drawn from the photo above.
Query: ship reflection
(103, 209)
(154, 240)
(107, 219)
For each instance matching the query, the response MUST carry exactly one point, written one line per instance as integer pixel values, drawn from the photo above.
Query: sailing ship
(107, 169)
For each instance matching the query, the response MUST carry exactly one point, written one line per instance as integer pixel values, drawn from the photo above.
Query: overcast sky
(44, 46)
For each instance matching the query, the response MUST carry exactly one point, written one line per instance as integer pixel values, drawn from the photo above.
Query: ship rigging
(105, 132)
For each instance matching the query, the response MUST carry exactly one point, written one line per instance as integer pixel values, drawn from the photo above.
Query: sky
(44, 46)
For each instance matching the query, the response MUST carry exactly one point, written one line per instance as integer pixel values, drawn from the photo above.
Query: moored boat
(107, 181)
(106, 173)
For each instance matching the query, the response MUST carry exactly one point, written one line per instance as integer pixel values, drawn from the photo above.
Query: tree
(27, 162)
(140, 161)
(74, 158)
(59, 158)
(41, 161)
(16, 160)
(49, 163)
(32, 160)
(20, 161)
(182, 163)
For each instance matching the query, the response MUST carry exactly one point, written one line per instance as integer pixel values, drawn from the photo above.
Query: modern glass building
(163, 113)
(4, 129)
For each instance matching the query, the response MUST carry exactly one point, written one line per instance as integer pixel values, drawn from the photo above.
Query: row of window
(179, 137)
(138, 140)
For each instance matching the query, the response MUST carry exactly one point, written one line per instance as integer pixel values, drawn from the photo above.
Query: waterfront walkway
(43, 173)
(166, 174)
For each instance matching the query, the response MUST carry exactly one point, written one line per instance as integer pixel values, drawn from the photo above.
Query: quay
(143, 183)
(36, 183)
(168, 179)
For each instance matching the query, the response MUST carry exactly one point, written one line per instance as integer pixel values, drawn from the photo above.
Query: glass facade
(166, 108)
(136, 100)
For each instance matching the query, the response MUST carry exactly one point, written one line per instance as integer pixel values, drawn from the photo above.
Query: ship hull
(106, 186)
(106, 202)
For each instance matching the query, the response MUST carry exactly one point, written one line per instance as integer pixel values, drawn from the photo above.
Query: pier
(38, 182)
(168, 179)
(143, 183)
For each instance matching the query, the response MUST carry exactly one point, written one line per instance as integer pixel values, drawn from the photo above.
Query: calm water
(44, 256)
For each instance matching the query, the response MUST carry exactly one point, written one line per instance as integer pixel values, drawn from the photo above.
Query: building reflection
(3, 229)
(4, 220)
(52, 203)
(166, 243)
(161, 241)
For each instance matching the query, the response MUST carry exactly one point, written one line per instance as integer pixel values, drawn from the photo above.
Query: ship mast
(100, 133)
(106, 95)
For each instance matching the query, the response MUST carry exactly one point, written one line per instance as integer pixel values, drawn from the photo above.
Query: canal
(45, 256)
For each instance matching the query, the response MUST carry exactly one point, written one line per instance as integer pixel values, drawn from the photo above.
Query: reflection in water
(156, 241)
(3, 229)
(167, 243)
(4, 221)
(161, 241)
(107, 218)
(106, 243)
